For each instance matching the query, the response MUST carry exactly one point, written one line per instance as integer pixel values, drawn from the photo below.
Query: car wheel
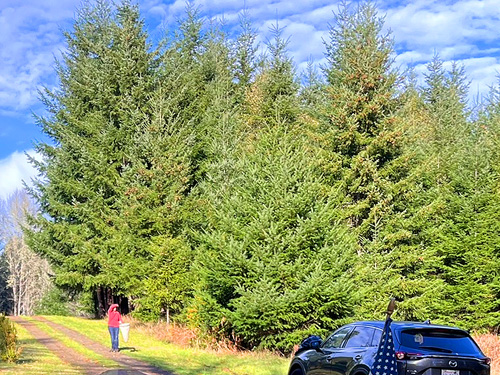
(297, 371)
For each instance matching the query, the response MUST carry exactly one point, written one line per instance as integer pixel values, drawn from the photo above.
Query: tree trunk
(100, 309)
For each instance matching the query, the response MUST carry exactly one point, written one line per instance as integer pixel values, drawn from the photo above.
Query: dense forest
(200, 181)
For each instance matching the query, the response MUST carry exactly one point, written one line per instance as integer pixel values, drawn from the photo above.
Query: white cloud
(463, 31)
(14, 170)
(411, 58)
(30, 33)
(320, 17)
(306, 44)
(30, 36)
(437, 24)
(483, 74)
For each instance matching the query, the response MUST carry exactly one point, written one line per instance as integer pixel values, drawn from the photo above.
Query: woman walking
(114, 321)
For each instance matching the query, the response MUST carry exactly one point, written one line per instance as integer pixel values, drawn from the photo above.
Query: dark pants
(113, 331)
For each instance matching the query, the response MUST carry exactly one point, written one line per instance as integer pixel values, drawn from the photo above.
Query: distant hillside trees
(199, 181)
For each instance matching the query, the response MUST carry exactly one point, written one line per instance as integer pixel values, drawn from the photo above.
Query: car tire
(297, 371)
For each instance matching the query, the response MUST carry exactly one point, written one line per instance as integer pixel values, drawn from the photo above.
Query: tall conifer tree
(188, 131)
(104, 80)
(362, 132)
(466, 185)
(274, 255)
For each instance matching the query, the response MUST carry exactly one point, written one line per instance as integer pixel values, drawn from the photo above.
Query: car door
(358, 350)
(318, 364)
(355, 351)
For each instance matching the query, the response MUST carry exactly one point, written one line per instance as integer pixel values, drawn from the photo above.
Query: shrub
(55, 302)
(9, 350)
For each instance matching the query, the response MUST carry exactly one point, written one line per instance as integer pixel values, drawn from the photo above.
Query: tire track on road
(68, 355)
(130, 364)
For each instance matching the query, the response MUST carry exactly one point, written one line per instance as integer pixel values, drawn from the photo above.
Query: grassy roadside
(180, 361)
(90, 354)
(35, 359)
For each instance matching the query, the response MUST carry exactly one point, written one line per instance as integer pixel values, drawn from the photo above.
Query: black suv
(421, 349)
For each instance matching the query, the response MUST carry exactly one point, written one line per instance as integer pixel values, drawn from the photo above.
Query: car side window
(361, 337)
(376, 337)
(336, 339)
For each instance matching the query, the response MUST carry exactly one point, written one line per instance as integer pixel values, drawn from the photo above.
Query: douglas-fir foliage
(201, 182)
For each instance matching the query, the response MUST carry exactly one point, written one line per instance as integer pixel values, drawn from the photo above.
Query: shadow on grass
(24, 361)
(205, 369)
(128, 348)
(122, 372)
(30, 352)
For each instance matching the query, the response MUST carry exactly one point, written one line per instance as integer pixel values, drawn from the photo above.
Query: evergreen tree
(104, 80)
(467, 180)
(363, 134)
(189, 110)
(5, 290)
(245, 53)
(158, 182)
(360, 116)
(273, 236)
(313, 93)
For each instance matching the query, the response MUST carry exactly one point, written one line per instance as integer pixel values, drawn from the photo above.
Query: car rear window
(439, 340)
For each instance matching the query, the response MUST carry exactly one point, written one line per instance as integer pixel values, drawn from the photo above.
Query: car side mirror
(316, 344)
(311, 342)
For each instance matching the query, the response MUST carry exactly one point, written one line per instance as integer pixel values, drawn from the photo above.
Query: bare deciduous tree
(27, 273)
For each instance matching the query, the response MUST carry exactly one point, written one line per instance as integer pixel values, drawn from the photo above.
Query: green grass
(35, 359)
(180, 361)
(103, 361)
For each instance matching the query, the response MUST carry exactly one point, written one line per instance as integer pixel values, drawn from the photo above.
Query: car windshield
(439, 340)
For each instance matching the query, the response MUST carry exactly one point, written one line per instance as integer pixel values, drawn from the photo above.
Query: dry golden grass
(180, 335)
(490, 345)
(165, 332)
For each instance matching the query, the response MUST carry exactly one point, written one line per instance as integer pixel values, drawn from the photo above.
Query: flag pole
(390, 308)
(384, 360)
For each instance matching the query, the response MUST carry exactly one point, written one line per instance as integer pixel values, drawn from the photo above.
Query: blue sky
(31, 37)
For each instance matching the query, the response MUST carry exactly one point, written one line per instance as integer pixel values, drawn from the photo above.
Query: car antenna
(428, 321)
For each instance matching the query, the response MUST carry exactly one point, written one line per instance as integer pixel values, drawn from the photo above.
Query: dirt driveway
(124, 364)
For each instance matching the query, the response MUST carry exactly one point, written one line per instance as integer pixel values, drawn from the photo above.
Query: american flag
(385, 359)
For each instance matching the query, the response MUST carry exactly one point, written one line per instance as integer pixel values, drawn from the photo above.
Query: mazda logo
(453, 363)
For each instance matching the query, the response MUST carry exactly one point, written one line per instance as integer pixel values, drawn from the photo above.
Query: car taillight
(405, 355)
(486, 360)
(400, 355)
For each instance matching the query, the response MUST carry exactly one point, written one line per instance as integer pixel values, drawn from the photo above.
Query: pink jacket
(114, 317)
